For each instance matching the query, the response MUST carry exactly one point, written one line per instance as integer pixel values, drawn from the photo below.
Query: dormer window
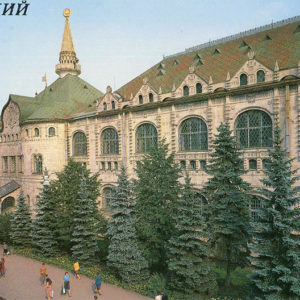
(140, 99)
(198, 88)
(260, 76)
(104, 106)
(186, 90)
(113, 105)
(243, 79)
(36, 132)
(150, 97)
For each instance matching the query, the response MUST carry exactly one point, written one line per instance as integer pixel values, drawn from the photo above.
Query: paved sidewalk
(21, 282)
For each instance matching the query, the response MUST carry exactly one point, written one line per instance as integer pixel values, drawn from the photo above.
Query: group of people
(161, 295)
(66, 288)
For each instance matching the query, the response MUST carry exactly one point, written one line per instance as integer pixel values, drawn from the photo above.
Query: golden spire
(67, 57)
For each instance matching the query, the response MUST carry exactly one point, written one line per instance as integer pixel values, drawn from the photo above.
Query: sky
(116, 40)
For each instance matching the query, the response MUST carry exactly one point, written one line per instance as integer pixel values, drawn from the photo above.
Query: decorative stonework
(11, 117)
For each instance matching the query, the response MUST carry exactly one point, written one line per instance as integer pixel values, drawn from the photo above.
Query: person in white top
(158, 296)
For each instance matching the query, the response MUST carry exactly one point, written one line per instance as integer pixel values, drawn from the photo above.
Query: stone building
(251, 80)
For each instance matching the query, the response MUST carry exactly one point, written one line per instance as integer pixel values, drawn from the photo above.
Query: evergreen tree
(189, 247)
(124, 254)
(44, 223)
(66, 189)
(84, 236)
(276, 236)
(228, 201)
(21, 223)
(156, 189)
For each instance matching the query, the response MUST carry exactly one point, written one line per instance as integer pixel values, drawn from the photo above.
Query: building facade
(250, 80)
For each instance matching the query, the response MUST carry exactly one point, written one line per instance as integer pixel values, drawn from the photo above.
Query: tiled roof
(8, 188)
(63, 99)
(281, 43)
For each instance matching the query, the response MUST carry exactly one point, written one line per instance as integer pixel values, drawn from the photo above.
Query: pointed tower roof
(67, 57)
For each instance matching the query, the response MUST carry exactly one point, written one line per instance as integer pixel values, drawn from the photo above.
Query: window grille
(116, 165)
(202, 201)
(107, 197)
(140, 99)
(203, 164)
(36, 132)
(7, 203)
(38, 164)
(13, 164)
(183, 164)
(110, 141)
(150, 97)
(252, 164)
(198, 88)
(193, 135)
(260, 76)
(146, 138)
(113, 105)
(5, 163)
(104, 106)
(255, 205)
(243, 79)
(79, 144)
(186, 90)
(109, 165)
(193, 164)
(51, 131)
(254, 130)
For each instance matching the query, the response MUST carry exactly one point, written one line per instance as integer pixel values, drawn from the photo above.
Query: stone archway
(7, 204)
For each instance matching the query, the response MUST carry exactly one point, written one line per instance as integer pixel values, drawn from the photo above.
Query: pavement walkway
(22, 282)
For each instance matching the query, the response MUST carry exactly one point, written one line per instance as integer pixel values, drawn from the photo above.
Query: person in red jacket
(2, 267)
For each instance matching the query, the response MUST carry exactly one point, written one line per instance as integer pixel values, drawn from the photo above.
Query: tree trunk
(227, 282)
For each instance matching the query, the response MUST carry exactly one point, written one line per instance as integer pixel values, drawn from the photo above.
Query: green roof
(63, 99)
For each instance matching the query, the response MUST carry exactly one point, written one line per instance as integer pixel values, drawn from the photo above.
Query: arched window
(260, 76)
(186, 90)
(104, 106)
(243, 79)
(202, 202)
(193, 135)
(37, 164)
(79, 144)
(7, 203)
(254, 129)
(110, 141)
(198, 88)
(150, 97)
(113, 105)
(51, 131)
(146, 138)
(255, 205)
(107, 198)
(140, 99)
(36, 132)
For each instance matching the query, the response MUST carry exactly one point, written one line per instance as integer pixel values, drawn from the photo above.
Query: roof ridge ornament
(276, 68)
(251, 54)
(192, 69)
(228, 76)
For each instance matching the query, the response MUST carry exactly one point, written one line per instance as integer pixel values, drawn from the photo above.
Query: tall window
(198, 88)
(51, 131)
(113, 105)
(37, 164)
(150, 97)
(104, 106)
(255, 205)
(260, 76)
(140, 99)
(107, 197)
(5, 164)
(252, 164)
(193, 135)
(36, 132)
(146, 138)
(243, 79)
(254, 129)
(13, 164)
(79, 144)
(186, 90)
(110, 141)
(202, 202)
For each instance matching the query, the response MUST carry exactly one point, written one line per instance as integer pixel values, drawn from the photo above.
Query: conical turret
(68, 62)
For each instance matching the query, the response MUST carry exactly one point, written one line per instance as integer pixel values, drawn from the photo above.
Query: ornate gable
(145, 94)
(11, 119)
(110, 101)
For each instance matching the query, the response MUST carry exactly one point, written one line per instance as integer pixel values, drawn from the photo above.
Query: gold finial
(67, 13)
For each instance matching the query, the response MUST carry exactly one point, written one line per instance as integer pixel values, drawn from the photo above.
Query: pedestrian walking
(5, 249)
(43, 273)
(49, 288)
(98, 285)
(158, 296)
(76, 269)
(164, 295)
(66, 284)
(2, 267)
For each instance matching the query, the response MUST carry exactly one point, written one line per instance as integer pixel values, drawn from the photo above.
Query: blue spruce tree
(276, 241)
(124, 254)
